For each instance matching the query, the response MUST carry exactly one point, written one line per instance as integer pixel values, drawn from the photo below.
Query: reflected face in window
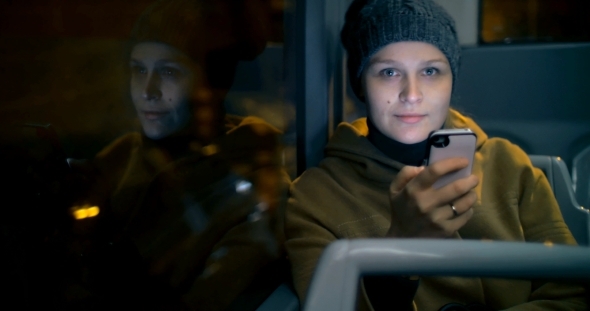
(407, 88)
(162, 81)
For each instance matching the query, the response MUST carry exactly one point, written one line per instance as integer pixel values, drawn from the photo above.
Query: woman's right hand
(419, 210)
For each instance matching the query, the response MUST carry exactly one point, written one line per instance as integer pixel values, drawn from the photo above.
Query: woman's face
(407, 87)
(162, 80)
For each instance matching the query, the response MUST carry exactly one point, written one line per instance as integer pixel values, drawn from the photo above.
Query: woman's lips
(410, 118)
(154, 115)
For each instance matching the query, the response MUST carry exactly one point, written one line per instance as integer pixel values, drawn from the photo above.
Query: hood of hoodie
(350, 143)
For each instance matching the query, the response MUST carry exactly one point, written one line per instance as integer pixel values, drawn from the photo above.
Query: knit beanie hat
(372, 24)
(215, 33)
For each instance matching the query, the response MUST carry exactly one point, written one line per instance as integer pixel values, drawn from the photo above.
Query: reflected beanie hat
(215, 33)
(200, 26)
(372, 24)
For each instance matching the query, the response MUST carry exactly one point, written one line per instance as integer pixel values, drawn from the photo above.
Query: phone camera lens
(441, 141)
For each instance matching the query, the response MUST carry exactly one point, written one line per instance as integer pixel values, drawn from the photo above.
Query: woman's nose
(152, 88)
(411, 92)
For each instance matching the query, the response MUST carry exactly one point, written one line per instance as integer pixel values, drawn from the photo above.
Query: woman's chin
(410, 137)
(155, 133)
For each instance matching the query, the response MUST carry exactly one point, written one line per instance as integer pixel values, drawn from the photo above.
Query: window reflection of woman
(178, 231)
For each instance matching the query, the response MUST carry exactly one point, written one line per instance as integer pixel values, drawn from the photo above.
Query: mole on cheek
(388, 102)
(169, 99)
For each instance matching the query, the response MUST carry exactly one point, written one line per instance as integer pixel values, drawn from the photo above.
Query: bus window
(146, 148)
(504, 21)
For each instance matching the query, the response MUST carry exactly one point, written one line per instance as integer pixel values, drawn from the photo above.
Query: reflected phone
(451, 143)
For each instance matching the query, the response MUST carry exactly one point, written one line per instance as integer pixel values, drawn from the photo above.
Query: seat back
(282, 299)
(533, 95)
(581, 177)
(334, 284)
(576, 217)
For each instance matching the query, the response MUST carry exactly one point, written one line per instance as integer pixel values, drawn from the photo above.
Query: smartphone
(451, 143)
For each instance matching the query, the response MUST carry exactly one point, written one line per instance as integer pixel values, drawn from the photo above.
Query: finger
(453, 225)
(436, 170)
(442, 214)
(461, 205)
(450, 224)
(465, 202)
(436, 198)
(445, 212)
(446, 222)
(457, 189)
(406, 174)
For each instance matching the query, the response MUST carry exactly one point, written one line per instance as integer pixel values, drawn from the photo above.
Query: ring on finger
(454, 210)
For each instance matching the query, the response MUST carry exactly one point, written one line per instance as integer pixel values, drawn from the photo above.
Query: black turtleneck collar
(408, 154)
(181, 143)
(176, 146)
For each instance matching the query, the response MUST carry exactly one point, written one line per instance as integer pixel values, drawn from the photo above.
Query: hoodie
(184, 226)
(347, 197)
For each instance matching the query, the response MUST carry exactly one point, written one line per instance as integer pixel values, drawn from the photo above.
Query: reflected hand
(419, 210)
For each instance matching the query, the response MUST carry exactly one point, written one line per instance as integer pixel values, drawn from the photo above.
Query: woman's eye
(170, 72)
(138, 70)
(430, 71)
(388, 72)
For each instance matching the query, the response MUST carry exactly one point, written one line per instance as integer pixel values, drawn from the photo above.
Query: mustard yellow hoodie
(197, 243)
(346, 197)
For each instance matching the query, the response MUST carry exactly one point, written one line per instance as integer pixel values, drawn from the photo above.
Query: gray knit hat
(373, 24)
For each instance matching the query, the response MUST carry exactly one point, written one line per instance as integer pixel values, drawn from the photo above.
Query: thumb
(404, 176)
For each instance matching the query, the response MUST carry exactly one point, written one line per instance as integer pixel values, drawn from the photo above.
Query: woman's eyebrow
(393, 62)
(382, 61)
(438, 60)
(134, 61)
(164, 62)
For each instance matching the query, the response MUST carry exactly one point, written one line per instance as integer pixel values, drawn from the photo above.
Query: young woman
(403, 61)
(187, 206)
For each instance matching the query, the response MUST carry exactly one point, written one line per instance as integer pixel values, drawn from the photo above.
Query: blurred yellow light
(81, 213)
(93, 211)
(85, 211)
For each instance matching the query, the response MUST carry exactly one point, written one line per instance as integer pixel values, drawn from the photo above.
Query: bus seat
(581, 177)
(576, 217)
(520, 92)
(335, 281)
(282, 299)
